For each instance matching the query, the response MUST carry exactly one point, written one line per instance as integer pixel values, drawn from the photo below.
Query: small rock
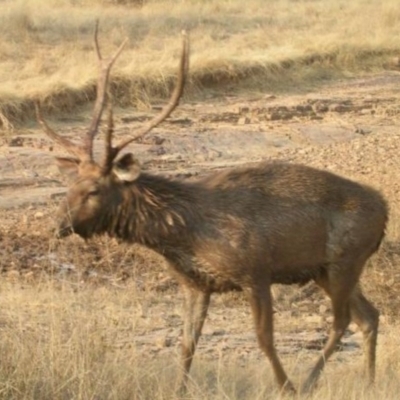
(395, 62)
(323, 308)
(157, 150)
(13, 275)
(363, 131)
(282, 109)
(286, 313)
(353, 327)
(390, 282)
(218, 332)
(163, 341)
(279, 115)
(243, 121)
(57, 196)
(382, 319)
(38, 215)
(29, 276)
(314, 318)
(16, 142)
(182, 121)
(340, 108)
(303, 108)
(329, 319)
(157, 140)
(320, 107)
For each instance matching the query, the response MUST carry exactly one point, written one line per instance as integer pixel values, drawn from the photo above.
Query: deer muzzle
(63, 227)
(62, 232)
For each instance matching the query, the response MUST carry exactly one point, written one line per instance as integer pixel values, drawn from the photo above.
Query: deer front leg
(195, 311)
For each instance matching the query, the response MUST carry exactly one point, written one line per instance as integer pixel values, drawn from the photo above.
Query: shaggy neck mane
(153, 211)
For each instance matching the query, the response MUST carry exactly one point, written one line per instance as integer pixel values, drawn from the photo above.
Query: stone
(243, 121)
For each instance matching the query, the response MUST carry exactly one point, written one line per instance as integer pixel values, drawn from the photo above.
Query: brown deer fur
(240, 229)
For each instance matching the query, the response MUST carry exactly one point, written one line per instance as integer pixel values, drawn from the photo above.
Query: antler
(71, 147)
(85, 152)
(112, 151)
(102, 84)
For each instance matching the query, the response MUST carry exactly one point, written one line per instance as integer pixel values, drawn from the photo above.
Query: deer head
(96, 185)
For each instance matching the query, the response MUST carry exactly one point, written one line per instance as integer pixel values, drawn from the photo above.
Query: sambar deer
(239, 229)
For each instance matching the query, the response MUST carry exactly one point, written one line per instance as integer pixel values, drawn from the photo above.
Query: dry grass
(63, 342)
(46, 47)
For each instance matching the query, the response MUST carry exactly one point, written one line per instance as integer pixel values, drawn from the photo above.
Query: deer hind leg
(338, 283)
(195, 312)
(366, 316)
(261, 305)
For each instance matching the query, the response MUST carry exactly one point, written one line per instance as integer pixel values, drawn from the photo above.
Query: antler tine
(173, 102)
(109, 133)
(96, 41)
(102, 83)
(64, 142)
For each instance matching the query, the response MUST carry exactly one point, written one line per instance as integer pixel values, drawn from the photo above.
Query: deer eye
(93, 192)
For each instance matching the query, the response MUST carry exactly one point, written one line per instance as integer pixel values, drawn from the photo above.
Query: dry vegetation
(46, 47)
(85, 320)
(63, 343)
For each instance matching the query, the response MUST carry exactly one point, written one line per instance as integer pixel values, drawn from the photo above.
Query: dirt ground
(349, 127)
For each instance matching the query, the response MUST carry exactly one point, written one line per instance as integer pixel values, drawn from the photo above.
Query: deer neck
(154, 211)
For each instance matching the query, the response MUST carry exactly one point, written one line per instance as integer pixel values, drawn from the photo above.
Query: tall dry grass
(46, 49)
(63, 342)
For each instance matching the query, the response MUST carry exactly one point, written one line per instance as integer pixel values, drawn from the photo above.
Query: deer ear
(68, 166)
(127, 168)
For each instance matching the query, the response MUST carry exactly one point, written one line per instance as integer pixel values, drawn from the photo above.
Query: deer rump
(286, 223)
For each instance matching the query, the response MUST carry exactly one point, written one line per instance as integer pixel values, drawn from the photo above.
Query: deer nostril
(63, 231)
